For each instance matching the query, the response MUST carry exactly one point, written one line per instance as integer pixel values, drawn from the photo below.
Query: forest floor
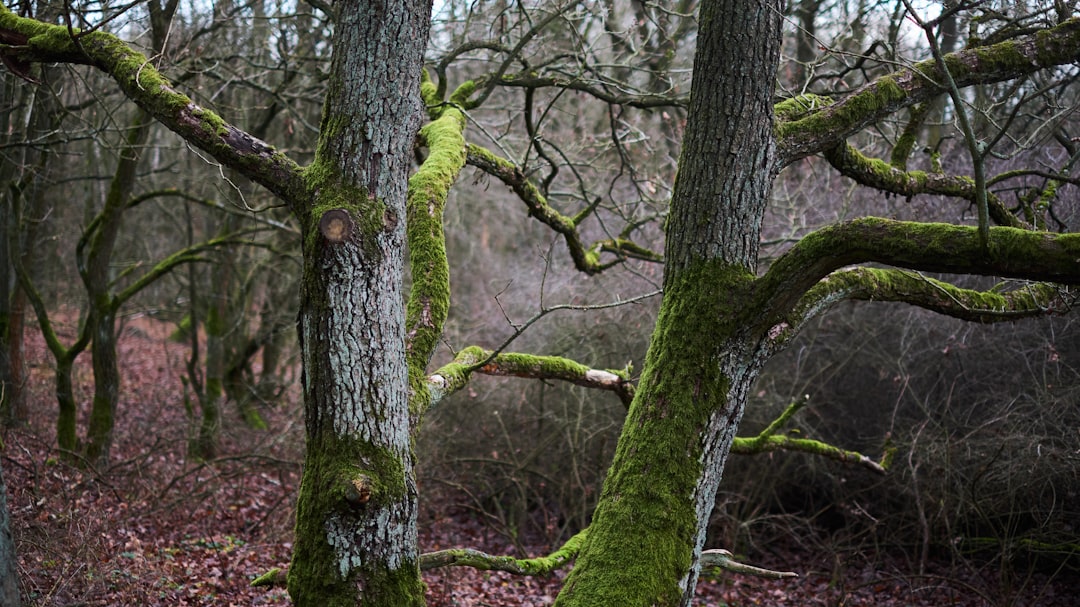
(155, 528)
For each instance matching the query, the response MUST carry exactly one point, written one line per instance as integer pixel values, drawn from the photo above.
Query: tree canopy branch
(883, 176)
(931, 247)
(586, 259)
(150, 90)
(642, 101)
(827, 126)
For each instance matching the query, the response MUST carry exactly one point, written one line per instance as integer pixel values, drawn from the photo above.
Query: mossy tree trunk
(649, 527)
(356, 538)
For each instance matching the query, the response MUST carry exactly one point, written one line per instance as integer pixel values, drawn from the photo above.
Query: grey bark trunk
(9, 580)
(356, 513)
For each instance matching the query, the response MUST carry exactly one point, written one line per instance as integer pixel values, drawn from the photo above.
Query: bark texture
(9, 580)
(356, 514)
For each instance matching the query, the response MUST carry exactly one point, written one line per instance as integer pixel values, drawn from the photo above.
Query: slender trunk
(14, 390)
(12, 360)
(356, 512)
(649, 527)
(67, 417)
(12, 410)
(211, 396)
(96, 271)
(106, 386)
(97, 281)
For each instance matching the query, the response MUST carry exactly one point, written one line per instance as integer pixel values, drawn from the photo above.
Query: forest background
(107, 213)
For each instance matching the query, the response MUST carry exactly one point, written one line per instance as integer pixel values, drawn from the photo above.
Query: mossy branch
(931, 247)
(586, 258)
(1003, 303)
(905, 143)
(826, 127)
(149, 89)
(466, 557)
(186, 255)
(769, 440)
(429, 295)
(889, 178)
(454, 376)
(274, 578)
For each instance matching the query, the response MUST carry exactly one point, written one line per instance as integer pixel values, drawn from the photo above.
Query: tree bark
(9, 579)
(356, 513)
(649, 527)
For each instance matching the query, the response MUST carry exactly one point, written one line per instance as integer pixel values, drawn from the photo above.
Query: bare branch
(718, 557)
(586, 259)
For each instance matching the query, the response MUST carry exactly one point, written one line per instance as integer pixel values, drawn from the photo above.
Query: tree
(9, 579)
(365, 356)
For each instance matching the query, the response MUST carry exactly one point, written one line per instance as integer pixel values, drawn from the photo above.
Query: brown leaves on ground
(156, 528)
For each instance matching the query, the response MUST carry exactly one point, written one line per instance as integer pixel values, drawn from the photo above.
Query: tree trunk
(649, 527)
(97, 280)
(96, 271)
(67, 415)
(106, 386)
(356, 512)
(9, 580)
(13, 359)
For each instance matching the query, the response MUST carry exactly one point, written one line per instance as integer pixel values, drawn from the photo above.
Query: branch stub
(336, 225)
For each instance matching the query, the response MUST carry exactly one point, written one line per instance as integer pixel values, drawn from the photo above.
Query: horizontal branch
(770, 439)
(930, 247)
(718, 557)
(454, 376)
(189, 254)
(830, 125)
(31, 41)
(882, 176)
(597, 90)
(466, 557)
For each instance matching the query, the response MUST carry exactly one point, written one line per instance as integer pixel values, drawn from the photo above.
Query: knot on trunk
(336, 225)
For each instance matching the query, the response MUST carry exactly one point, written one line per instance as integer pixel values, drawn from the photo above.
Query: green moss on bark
(429, 299)
(348, 479)
(882, 94)
(329, 191)
(643, 536)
